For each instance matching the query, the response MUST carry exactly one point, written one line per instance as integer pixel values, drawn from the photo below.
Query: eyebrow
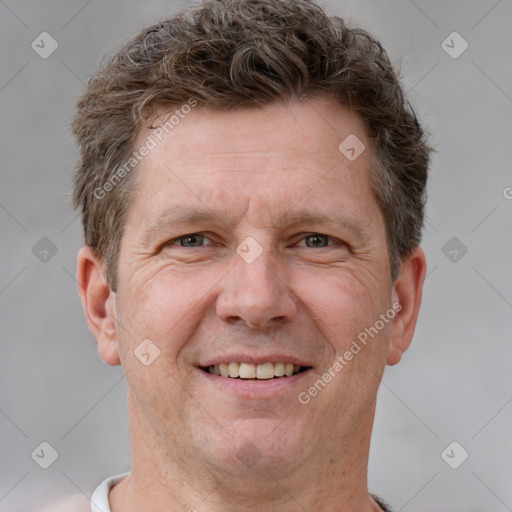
(177, 217)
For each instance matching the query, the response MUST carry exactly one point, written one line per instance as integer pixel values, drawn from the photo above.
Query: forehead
(257, 158)
(313, 127)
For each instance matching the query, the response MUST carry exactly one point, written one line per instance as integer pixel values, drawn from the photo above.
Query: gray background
(454, 383)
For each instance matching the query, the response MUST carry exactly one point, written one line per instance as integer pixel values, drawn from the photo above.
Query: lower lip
(247, 388)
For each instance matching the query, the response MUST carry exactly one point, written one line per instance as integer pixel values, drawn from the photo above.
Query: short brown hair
(227, 54)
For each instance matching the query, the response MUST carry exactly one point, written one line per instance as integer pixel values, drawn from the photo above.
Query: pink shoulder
(73, 503)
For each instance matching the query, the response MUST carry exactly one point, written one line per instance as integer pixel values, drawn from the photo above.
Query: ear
(407, 291)
(98, 301)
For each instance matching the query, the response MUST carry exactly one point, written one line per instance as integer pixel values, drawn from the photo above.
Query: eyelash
(332, 239)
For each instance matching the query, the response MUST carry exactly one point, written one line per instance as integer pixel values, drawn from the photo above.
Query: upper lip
(254, 359)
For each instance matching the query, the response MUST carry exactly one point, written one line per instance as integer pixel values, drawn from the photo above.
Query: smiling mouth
(264, 371)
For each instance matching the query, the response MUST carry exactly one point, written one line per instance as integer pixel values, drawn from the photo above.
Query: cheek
(165, 308)
(348, 311)
(343, 303)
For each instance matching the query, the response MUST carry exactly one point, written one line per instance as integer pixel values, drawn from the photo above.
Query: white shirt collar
(99, 498)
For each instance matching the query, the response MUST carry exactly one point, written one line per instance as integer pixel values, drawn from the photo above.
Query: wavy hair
(228, 54)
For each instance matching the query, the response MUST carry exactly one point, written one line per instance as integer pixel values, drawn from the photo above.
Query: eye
(191, 240)
(317, 240)
(312, 240)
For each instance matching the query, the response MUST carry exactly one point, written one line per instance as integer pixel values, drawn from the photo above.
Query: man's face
(259, 282)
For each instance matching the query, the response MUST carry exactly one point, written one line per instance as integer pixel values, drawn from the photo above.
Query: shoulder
(71, 503)
(386, 507)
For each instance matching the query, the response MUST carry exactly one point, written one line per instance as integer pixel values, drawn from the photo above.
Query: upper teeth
(254, 371)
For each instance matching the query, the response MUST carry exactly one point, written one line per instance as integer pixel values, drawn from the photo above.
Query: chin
(266, 445)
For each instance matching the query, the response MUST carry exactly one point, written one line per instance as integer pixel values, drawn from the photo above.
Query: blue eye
(193, 240)
(313, 240)
(316, 240)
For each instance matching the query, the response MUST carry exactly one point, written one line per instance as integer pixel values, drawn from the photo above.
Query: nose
(256, 294)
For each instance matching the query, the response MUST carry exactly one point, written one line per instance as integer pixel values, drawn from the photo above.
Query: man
(252, 184)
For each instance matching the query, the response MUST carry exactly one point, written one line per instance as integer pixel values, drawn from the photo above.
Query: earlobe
(407, 293)
(98, 301)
